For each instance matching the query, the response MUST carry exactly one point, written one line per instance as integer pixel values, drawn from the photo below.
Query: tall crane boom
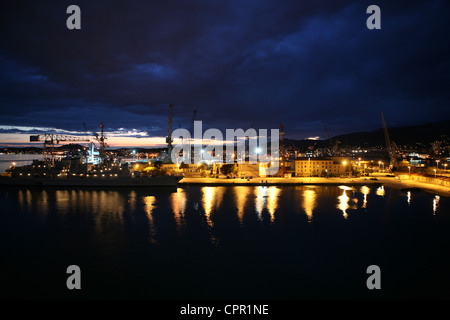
(52, 139)
(169, 133)
(282, 154)
(390, 146)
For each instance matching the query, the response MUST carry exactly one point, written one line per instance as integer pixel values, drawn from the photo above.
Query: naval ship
(75, 173)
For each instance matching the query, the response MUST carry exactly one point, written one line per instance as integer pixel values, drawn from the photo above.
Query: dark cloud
(239, 63)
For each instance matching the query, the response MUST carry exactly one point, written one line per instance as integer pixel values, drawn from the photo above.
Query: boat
(43, 174)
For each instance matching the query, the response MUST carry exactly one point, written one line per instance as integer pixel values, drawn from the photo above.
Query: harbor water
(236, 242)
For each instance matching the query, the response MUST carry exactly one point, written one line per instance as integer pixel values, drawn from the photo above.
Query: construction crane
(51, 139)
(391, 146)
(101, 139)
(333, 142)
(169, 134)
(329, 139)
(282, 154)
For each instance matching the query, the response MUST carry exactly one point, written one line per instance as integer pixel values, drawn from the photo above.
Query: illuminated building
(320, 167)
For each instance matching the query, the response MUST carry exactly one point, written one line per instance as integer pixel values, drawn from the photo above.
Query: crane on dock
(334, 143)
(50, 139)
(101, 139)
(391, 146)
(282, 154)
(169, 134)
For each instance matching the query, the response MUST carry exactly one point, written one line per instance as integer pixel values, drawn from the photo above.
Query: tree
(227, 169)
(184, 166)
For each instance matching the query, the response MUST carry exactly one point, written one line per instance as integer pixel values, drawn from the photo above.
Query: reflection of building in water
(260, 200)
(212, 198)
(343, 203)
(365, 190)
(150, 205)
(380, 191)
(178, 202)
(241, 194)
(266, 197)
(272, 201)
(309, 202)
(34, 201)
(435, 203)
(408, 197)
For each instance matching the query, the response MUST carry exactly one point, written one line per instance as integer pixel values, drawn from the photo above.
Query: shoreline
(391, 182)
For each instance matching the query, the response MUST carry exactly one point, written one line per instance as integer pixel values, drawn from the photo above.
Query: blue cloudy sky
(240, 64)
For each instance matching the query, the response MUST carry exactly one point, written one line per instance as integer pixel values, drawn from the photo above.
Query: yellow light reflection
(132, 200)
(365, 190)
(272, 201)
(309, 202)
(266, 197)
(408, 194)
(435, 203)
(212, 198)
(241, 193)
(150, 205)
(260, 200)
(380, 191)
(178, 201)
(343, 203)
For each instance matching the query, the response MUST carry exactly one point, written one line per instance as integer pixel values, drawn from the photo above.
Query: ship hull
(157, 181)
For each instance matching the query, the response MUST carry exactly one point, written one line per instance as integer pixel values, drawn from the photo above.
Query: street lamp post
(345, 169)
(435, 173)
(409, 168)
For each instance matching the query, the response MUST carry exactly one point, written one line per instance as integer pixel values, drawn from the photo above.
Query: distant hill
(406, 135)
(419, 135)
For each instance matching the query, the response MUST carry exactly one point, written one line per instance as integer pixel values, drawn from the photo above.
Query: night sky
(240, 64)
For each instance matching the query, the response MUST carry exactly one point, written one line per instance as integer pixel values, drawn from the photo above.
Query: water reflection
(260, 200)
(380, 191)
(435, 203)
(365, 190)
(32, 200)
(343, 203)
(178, 202)
(211, 200)
(150, 205)
(272, 201)
(266, 197)
(408, 197)
(132, 199)
(241, 194)
(309, 202)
